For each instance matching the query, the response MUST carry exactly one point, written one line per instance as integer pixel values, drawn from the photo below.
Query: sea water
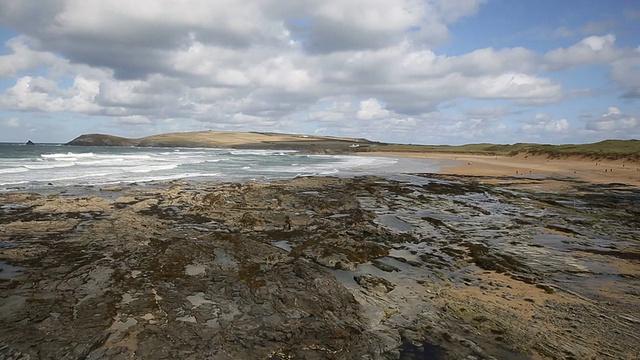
(27, 167)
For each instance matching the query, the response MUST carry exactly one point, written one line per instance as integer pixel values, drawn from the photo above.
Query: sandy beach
(524, 166)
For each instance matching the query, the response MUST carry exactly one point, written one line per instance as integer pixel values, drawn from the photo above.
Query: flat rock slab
(437, 267)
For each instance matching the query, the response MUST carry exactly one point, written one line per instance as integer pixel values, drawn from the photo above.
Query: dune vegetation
(608, 149)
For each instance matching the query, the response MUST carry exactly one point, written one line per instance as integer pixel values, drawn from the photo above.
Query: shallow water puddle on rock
(8, 272)
(188, 318)
(8, 244)
(393, 222)
(198, 300)
(405, 274)
(422, 351)
(195, 269)
(127, 298)
(223, 259)
(554, 241)
(10, 304)
(282, 244)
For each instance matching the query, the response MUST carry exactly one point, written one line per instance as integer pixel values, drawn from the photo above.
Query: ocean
(37, 167)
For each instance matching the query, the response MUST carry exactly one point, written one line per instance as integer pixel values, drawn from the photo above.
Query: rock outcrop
(321, 268)
(102, 140)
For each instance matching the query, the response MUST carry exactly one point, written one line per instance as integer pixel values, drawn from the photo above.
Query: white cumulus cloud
(13, 123)
(371, 109)
(614, 121)
(543, 123)
(307, 64)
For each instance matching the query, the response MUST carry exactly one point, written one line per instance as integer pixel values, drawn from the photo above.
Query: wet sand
(599, 171)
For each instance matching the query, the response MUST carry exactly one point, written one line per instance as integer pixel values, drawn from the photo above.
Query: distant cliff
(102, 140)
(238, 140)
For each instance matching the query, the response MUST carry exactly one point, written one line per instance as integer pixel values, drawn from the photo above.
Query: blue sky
(408, 71)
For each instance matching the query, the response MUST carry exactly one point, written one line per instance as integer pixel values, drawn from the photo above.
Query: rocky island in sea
(423, 266)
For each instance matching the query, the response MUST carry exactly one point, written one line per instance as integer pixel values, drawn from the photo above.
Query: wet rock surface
(432, 267)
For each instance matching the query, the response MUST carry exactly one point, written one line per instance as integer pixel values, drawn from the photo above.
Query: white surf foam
(13, 170)
(70, 156)
(151, 168)
(262, 152)
(116, 165)
(174, 177)
(48, 166)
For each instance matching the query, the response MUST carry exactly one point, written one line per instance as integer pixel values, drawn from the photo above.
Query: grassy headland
(236, 140)
(608, 149)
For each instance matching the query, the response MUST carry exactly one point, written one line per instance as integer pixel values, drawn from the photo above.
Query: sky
(404, 71)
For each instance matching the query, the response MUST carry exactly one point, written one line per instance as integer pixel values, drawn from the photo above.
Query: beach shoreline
(523, 166)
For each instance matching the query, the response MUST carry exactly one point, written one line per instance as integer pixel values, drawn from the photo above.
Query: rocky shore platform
(431, 267)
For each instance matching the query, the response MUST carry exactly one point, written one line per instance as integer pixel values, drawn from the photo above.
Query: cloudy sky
(409, 71)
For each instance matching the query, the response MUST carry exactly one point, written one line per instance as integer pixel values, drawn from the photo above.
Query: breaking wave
(33, 167)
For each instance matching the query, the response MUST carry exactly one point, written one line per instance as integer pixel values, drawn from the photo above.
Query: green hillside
(609, 149)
